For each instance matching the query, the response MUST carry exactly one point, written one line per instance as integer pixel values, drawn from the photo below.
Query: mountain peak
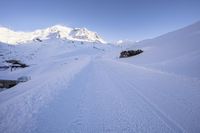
(62, 32)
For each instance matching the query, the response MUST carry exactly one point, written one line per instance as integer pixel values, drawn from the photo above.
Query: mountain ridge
(66, 33)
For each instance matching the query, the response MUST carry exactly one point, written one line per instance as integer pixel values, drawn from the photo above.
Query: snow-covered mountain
(125, 42)
(75, 34)
(87, 88)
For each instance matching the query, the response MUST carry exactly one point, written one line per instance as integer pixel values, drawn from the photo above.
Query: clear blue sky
(112, 19)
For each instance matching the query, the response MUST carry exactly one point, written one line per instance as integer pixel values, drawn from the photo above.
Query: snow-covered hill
(175, 52)
(58, 31)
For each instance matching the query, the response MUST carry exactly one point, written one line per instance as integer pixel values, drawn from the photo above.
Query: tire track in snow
(130, 83)
(175, 95)
(104, 107)
(169, 122)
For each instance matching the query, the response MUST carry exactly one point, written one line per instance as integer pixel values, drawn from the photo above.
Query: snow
(67, 33)
(87, 88)
(125, 42)
(175, 52)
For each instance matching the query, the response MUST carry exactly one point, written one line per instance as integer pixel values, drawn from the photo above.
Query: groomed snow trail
(104, 98)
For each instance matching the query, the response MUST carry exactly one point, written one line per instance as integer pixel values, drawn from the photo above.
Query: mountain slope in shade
(62, 32)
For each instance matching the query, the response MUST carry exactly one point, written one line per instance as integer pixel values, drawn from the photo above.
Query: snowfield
(87, 88)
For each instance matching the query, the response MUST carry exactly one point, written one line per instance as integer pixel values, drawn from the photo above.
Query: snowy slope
(87, 88)
(175, 52)
(62, 32)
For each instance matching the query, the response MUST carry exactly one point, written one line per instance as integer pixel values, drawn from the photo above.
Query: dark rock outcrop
(8, 83)
(16, 64)
(11, 83)
(38, 39)
(130, 53)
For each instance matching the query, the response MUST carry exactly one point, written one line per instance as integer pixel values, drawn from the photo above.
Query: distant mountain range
(66, 33)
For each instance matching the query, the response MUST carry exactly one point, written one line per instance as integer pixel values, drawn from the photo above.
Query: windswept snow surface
(77, 88)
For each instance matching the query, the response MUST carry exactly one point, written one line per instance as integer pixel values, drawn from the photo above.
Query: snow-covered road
(111, 96)
(105, 102)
